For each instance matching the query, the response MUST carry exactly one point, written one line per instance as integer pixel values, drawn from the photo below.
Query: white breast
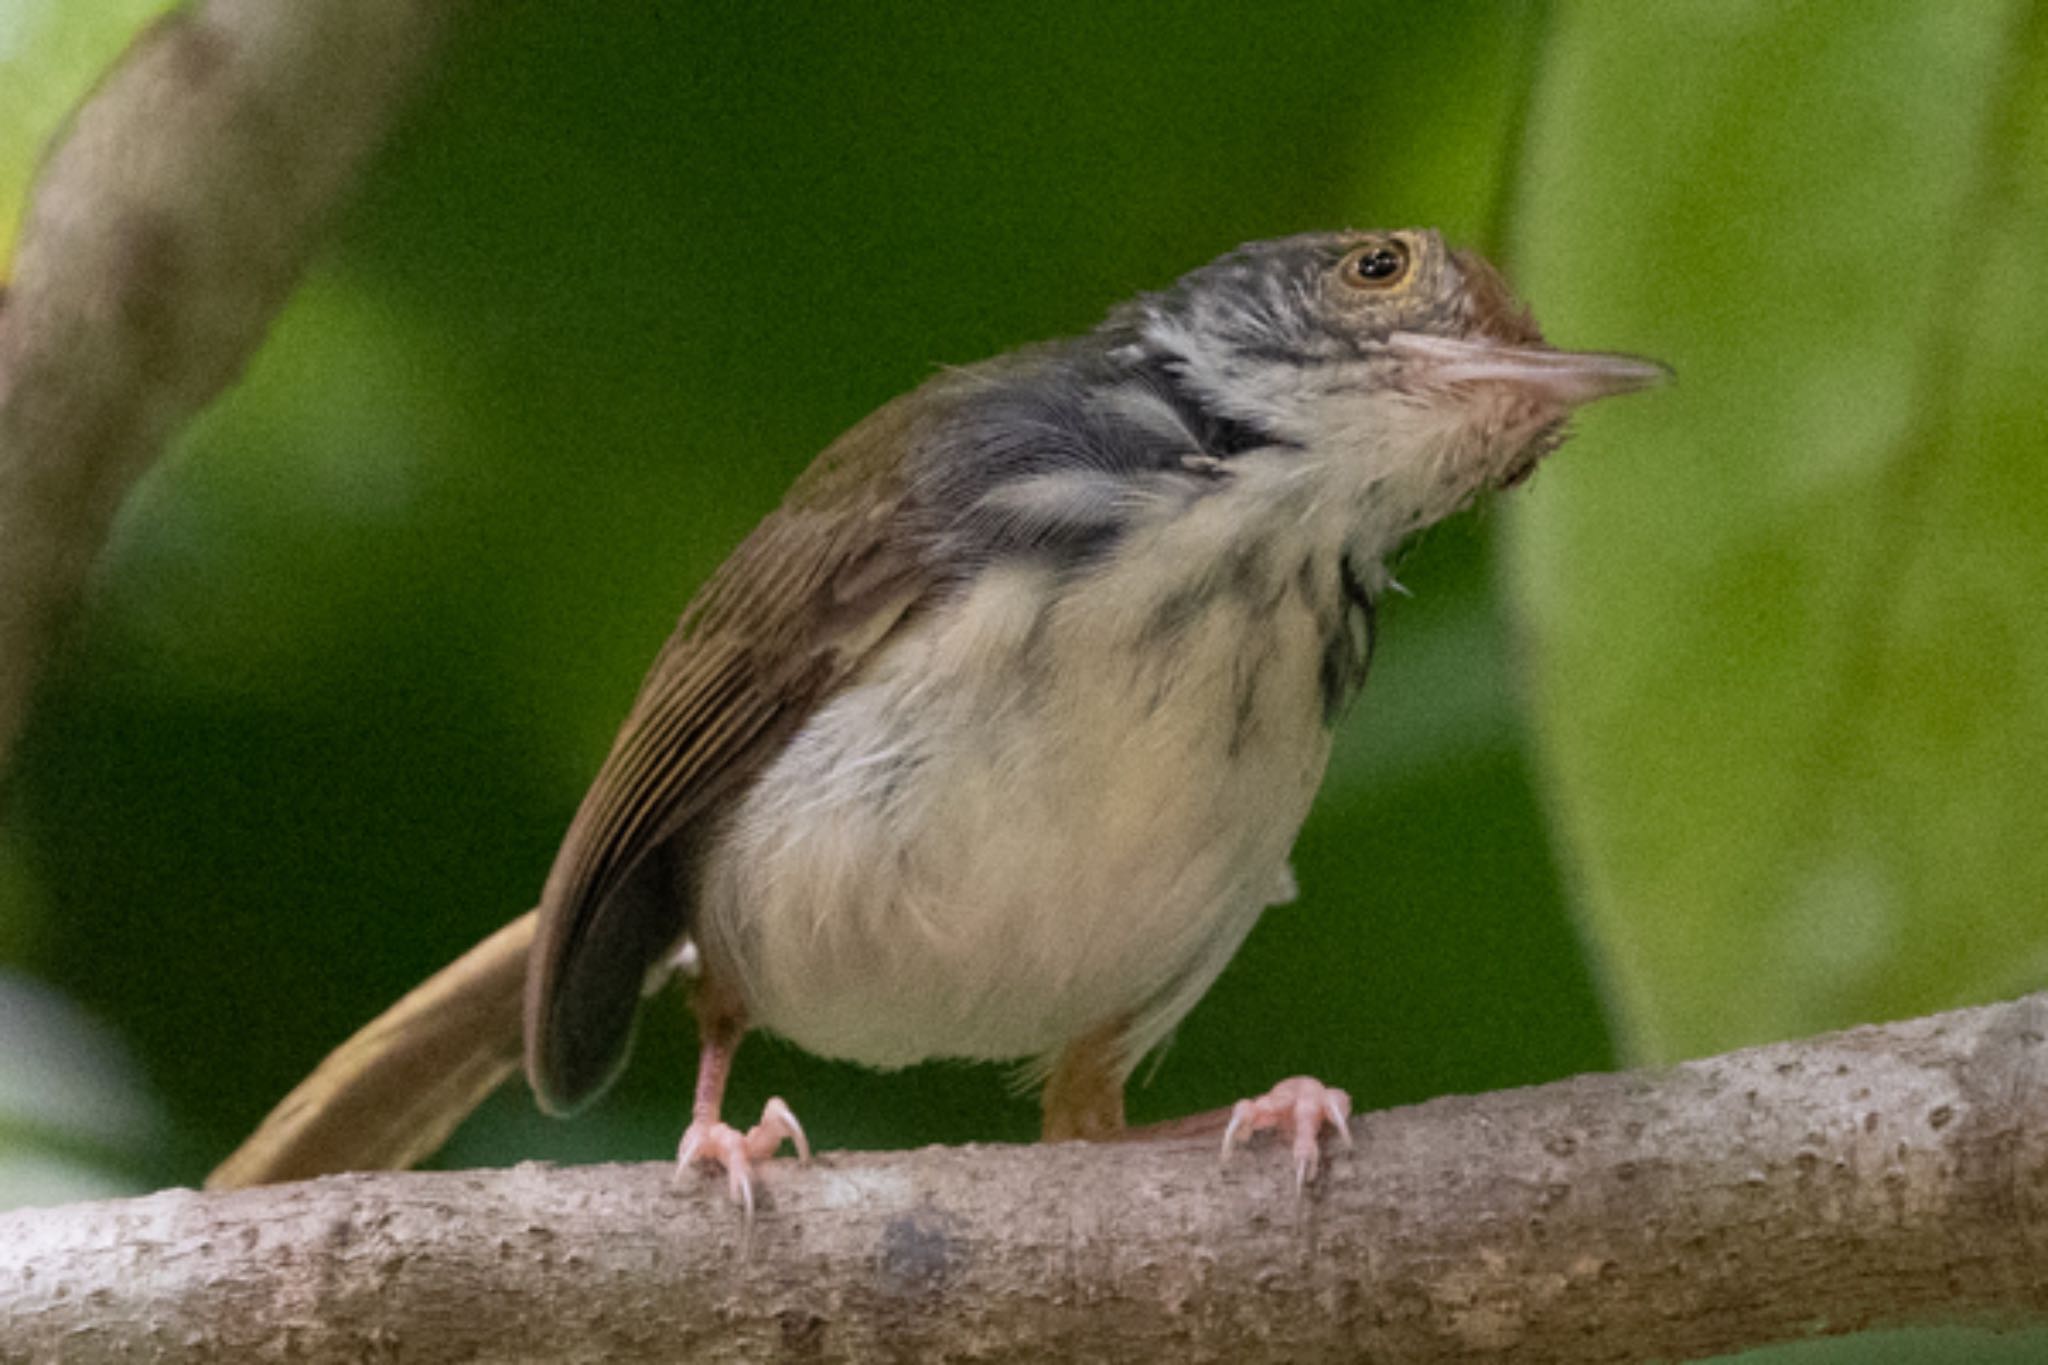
(1042, 808)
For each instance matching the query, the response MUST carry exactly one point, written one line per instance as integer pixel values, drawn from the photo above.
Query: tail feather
(389, 1096)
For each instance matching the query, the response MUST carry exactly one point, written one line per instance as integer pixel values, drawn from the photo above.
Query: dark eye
(1379, 266)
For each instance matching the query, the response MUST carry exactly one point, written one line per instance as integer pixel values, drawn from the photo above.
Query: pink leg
(709, 1139)
(1084, 1098)
(1301, 1105)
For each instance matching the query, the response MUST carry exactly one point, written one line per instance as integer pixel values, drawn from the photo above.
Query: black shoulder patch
(1220, 436)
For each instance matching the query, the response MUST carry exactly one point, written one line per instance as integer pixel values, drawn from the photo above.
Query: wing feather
(787, 619)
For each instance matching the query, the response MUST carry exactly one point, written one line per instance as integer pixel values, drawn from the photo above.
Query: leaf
(1790, 661)
(76, 1120)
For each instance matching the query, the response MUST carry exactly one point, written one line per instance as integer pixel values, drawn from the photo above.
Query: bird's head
(1390, 350)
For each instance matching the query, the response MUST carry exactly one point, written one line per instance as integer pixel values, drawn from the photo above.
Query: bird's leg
(1300, 1104)
(1084, 1094)
(1084, 1098)
(721, 1024)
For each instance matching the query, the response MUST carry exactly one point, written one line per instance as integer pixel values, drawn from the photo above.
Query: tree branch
(1883, 1177)
(166, 228)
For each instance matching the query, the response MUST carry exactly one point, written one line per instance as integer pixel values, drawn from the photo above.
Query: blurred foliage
(361, 642)
(1790, 668)
(51, 52)
(73, 1111)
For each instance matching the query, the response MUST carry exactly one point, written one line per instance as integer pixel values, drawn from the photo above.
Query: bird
(992, 741)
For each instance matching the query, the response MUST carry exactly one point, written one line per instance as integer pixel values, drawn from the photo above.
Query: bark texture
(168, 224)
(1882, 1177)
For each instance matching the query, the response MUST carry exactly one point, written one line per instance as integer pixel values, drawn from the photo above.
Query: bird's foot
(1301, 1105)
(721, 1144)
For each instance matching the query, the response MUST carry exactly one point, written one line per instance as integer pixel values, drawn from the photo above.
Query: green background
(1732, 727)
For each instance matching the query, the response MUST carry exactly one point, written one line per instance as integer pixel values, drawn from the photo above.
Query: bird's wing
(787, 619)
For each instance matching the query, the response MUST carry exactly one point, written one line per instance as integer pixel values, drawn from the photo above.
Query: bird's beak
(1560, 379)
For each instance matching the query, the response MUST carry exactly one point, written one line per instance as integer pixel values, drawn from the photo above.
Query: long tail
(390, 1095)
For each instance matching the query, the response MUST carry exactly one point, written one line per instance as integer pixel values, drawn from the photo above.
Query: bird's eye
(1379, 266)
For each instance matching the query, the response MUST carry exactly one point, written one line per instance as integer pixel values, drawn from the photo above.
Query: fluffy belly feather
(957, 858)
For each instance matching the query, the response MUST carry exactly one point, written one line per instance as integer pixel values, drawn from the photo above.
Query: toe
(1302, 1107)
(719, 1144)
(778, 1125)
(739, 1179)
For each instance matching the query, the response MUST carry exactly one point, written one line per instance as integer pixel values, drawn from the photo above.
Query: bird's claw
(720, 1143)
(1300, 1103)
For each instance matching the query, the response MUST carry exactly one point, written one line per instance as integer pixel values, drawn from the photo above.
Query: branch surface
(1884, 1177)
(168, 224)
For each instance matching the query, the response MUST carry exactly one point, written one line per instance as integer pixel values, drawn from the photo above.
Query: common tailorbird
(992, 741)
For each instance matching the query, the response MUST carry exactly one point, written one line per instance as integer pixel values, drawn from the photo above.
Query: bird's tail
(390, 1095)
